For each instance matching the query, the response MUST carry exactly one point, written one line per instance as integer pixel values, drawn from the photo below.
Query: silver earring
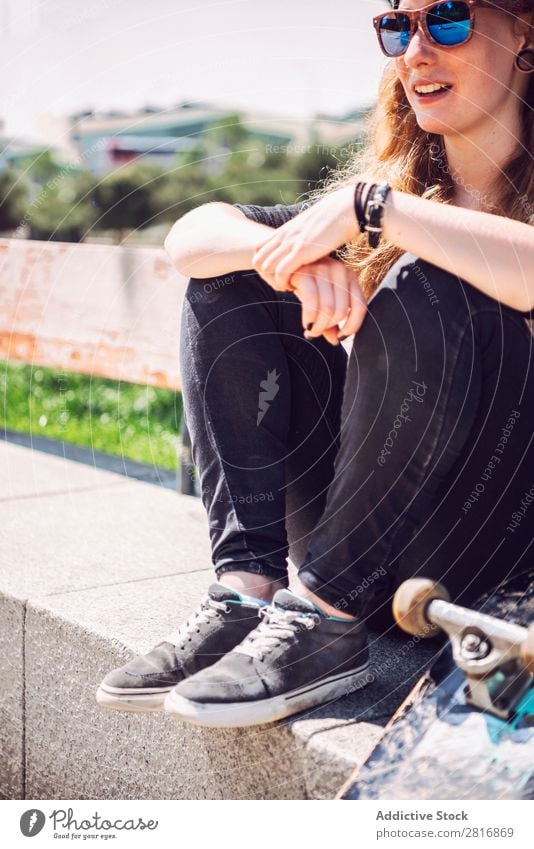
(524, 60)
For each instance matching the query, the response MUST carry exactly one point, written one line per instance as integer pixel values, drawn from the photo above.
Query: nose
(419, 50)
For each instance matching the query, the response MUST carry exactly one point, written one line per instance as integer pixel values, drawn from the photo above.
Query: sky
(279, 57)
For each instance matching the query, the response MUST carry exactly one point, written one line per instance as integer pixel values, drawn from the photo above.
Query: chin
(430, 124)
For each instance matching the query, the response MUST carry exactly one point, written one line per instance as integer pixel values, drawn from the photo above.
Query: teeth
(426, 89)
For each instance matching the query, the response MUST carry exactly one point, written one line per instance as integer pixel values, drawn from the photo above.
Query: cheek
(402, 77)
(488, 85)
(399, 66)
(488, 71)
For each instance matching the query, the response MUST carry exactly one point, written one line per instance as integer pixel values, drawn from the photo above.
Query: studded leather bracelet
(369, 205)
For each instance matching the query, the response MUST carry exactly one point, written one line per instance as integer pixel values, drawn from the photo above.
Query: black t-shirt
(272, 216)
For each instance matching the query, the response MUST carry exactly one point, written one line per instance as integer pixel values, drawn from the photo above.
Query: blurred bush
(229, 163)
(138, 422)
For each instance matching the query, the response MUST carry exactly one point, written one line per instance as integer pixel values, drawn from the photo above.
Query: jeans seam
(212, 430)
(318, 400)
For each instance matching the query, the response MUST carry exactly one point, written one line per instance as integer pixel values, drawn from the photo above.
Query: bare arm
(213, 239)
(493, 253)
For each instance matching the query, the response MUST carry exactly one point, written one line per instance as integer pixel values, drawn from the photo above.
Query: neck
(476, 160)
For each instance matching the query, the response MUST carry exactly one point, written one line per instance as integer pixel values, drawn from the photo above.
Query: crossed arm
(494, 254)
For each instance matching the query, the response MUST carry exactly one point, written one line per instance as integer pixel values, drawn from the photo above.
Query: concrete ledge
(90, 458)
(12, 615)
(93, 572)
(76, 750)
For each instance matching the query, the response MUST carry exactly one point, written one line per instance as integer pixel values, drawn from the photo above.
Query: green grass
(138, 422)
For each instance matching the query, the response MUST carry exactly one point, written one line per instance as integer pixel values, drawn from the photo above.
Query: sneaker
(224, 618)
(297, 658)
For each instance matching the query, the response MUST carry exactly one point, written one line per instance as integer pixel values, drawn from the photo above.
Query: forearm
(213, 239)
(494, 254)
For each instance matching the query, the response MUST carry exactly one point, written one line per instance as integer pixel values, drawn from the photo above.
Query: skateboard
(466, 731)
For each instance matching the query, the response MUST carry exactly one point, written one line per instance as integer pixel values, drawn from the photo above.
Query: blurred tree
(228, 132)
(313, 166)
(179, 191)
(228, 163)
(123, 199)
(14, 193)
(62, 210)
(41, 166)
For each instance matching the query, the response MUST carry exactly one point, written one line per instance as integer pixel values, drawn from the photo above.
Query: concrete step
(95, 568)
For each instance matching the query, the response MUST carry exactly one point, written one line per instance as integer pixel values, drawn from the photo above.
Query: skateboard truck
(497, 657)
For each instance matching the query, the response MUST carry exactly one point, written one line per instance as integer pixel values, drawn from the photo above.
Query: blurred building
(101, 141)
(14, 150)
(106, 140)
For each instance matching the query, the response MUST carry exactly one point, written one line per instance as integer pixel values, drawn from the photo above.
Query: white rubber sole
(132, 700)
(238, 714)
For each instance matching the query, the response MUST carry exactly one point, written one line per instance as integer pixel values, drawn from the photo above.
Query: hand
(309, 236)
(330, 294)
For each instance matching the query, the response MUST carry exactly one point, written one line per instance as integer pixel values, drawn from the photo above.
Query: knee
(208, 289)
(425, 288)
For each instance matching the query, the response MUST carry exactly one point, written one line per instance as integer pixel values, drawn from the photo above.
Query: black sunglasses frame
(419, 17)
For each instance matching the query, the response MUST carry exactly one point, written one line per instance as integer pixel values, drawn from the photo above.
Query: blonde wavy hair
(411, 160)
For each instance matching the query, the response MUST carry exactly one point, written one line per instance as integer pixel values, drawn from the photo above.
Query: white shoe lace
(208, 610)
(277, 625)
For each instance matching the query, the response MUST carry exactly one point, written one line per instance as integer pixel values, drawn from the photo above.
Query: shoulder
(272, 216)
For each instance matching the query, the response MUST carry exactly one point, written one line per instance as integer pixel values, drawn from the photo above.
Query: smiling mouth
(431, 91)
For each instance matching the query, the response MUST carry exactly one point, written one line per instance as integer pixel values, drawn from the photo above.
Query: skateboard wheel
(410, 603)
(527, 650)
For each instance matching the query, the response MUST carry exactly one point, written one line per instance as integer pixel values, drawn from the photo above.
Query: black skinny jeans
(413, 455)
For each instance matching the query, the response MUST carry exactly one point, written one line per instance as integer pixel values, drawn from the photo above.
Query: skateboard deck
(463, 734)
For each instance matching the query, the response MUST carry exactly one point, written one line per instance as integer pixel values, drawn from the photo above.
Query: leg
(436, 449)
(263, 407)
(437, 399)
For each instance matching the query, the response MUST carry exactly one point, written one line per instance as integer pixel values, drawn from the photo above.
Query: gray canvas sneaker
(223, 619)
(296, 658)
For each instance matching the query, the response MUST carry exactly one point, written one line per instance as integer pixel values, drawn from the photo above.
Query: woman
(415, 456)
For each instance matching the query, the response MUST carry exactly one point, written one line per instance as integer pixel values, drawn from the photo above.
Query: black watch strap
(374, 213)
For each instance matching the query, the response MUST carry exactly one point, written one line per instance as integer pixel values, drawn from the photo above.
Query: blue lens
(449, 23)
(395, 33)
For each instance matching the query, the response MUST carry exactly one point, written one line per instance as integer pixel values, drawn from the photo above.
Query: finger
(341, 282)
(326, 306)
(283, 277)
(286, 265)
(306, 291)
(270, 278)
(336, 273)
(276, 268)
(358, 308)
(331, 335)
